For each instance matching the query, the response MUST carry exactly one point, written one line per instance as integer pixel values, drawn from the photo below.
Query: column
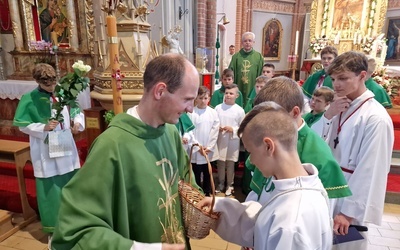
(73, 31)
(16, 24)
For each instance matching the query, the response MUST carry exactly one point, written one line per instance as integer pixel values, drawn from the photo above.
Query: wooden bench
(17, 153)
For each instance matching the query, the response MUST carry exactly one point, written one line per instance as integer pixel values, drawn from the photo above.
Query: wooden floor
(384, 237)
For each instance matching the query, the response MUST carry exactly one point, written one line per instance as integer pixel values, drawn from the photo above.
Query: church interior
(288, 33)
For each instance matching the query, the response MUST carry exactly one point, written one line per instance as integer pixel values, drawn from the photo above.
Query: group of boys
(355, 127)
(299, 183)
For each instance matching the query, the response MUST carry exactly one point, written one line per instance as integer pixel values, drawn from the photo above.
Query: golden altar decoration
(74, 33)
(351, 25)
(135, 51)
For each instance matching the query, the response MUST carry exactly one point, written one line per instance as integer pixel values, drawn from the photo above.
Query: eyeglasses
(48, 81)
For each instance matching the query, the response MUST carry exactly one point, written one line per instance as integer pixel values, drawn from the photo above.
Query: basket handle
(209, 171)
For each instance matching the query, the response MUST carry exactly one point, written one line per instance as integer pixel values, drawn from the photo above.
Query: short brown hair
(168, 68)
(282, 90)
(43, 72)
(269, 65)
(349, 61)
(329, 50)
(269, 119)
(227, 73)
(263, 79)
(231, 86)
(203, 90)
(327, 93)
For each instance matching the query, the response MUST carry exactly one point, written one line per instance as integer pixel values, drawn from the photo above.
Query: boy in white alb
(360, 133)
(296, 216)
(230, 116)
(206, 122)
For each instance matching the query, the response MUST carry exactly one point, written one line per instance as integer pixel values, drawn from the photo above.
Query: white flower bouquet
(69, 87)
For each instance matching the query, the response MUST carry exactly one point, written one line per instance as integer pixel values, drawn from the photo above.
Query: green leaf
(78, 87)
(74, 93)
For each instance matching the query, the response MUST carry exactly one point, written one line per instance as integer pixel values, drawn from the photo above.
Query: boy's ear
(363, 75)
(269, 146)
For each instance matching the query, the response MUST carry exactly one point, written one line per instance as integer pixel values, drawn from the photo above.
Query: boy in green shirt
(319, 102)
(218, 95)
(268, 71)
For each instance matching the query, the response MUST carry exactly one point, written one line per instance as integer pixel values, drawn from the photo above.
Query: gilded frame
(368, 17)
(272, 40)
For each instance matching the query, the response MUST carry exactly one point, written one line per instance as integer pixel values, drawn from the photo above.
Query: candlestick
(114, 61)
(296, 45)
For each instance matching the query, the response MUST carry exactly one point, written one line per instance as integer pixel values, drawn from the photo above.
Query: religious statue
(172, 40)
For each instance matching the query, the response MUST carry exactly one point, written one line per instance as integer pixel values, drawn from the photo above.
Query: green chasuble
(380, 93)
(250, 101)
(247, 66)
(312, 81)
(312, 149)
(184, 124)
(218, 98)
(311, 118)
(126, 190)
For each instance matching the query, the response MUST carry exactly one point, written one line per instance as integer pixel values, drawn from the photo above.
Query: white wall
(229, 8)
(260, 18)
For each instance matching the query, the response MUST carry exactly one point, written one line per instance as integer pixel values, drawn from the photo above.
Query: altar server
(360, 133)
(296, 216)
(33, 117)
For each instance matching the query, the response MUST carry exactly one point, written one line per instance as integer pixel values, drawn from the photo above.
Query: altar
(11, 92)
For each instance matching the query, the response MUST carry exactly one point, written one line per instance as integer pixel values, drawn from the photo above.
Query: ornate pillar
(73, 31)
(16, 25)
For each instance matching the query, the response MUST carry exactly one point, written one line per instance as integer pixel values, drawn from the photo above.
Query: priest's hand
(166, 246)
(341, 224)
(75, 128)
(340, 104)
(52, 124)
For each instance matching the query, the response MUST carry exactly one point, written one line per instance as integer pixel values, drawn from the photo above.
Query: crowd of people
(310, 175)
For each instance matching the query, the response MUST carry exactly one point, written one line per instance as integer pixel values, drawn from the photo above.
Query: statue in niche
(53, 23)
(172, 40)
(346, 14)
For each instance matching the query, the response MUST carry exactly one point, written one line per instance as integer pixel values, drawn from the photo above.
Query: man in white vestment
(297, 215)
(360, 133)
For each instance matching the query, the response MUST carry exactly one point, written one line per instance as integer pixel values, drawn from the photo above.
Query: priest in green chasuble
(126, 194)
(247, 65)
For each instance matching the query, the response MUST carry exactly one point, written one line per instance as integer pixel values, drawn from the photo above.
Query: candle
(296, 45)
(114, 61)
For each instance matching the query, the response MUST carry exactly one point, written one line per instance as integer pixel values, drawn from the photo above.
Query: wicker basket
(197, 222)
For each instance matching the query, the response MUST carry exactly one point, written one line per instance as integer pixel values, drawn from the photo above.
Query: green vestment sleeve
(380, 93)
(184, 124)
(34, 107)
(312, 81)
(126, 191)
(312, 149)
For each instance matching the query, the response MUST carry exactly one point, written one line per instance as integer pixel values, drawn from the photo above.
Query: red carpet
(9, 191)
(393, 184)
